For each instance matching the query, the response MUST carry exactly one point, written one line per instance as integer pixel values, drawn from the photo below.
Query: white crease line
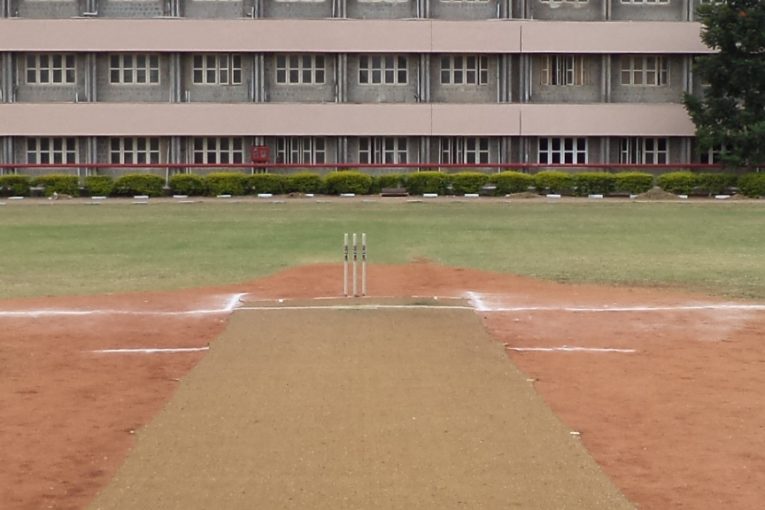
(359, 307)
(229, 306)
(477, 301)
(566, 348)
(150, 351)
(689, 308)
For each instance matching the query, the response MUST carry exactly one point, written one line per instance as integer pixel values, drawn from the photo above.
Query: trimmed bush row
(335, 183)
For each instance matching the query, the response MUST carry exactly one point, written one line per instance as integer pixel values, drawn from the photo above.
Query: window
(383, 1)
(217, 69)
(464, 70)
(644, 70)
(390, 150)
(134, 150)
(134, 69)
(463, 150)
(712, 156)
(299, 150)
(300, 69)
(563, 70)
(644, 151)
(51, 150)
(387, 69)
(51, 69)
(555, 2)
(562, 150)
(648, 2)
(464, 1)
(214, 150)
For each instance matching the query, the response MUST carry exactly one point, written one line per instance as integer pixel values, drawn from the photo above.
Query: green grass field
(60, 249)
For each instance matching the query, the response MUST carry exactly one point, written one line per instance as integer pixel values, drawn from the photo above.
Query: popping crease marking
(357, 307)
(566, 348)
(229, 306)
(151, 350)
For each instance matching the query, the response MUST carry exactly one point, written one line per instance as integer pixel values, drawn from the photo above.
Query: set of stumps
(358, 280)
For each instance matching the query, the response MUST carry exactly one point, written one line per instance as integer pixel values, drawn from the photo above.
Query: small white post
(363, 264)
(345, 265)
(355, 259)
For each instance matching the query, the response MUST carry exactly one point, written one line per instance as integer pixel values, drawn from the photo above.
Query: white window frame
(563, 150)
(216, 69)
(457, 70)
(712, 155)
(464, 150)
(134, 69)
(301, 69)
(217, 150)
(390, 150)
(563, 70)
(383, 69)
(301, 150)
(640, 150)
(53, 150)
(644, 71)
(134, 150)
(51, 68)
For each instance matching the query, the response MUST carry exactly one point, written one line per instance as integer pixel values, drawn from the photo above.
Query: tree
(731, 113)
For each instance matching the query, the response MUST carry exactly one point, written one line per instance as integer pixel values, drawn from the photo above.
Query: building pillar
(7, 154)
(176, 85)
(258, 78)
(504, 78)
(605, 78)
(341, 78)
(423, 78)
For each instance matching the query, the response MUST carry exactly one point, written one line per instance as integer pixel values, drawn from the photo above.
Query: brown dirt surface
(326, 408)
(656, 193)
(677, 424)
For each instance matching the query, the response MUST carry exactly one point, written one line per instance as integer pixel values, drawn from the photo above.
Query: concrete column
(91, 78)
(258, 78)
(606, 10)
(423, 79)
(6, 153)
(176, 85)
(606, 78)
(504, 78)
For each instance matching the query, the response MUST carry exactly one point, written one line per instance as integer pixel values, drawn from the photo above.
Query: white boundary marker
(356, 307)
(151, 351)
(566, 348)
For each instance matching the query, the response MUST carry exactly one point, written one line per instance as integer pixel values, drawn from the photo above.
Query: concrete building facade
(462, 82)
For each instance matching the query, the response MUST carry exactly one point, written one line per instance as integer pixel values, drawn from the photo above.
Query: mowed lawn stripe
(350, 409)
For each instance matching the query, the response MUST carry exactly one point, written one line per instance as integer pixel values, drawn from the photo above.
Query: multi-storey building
(333, 81)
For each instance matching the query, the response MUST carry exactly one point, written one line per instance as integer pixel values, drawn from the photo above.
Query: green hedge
(139, 184)
(226, 183)
(553, 181)
(633, 183)
(266, 183)
(467, 182)
(380, 182)
(510, 181)
(594, 183)
(58, 183)
(14, 185)
(752, 185)
(304, 183)
(716, 183)
(678, 182)
(99, 185)
(188, 184)
(347, 181)
(427, 182)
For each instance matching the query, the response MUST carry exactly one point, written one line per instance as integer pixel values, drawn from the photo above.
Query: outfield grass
(61, 249)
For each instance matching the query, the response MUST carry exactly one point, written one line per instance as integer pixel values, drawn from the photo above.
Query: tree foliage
(732, 111)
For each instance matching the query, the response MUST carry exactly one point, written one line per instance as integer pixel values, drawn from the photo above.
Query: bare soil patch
(678, 424)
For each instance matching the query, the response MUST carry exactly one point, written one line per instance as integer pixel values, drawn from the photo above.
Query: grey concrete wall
(310, 93)
(440, 9)
(592, 10)
(381, 93)
(672, 11)
(587, 93)
(214, 93)
(381, 10)
(46, 9)
(130, 8)
(274, 9)
(670, 93)
(37, 93)
(463, 93)
(214, 9)
(126, 93)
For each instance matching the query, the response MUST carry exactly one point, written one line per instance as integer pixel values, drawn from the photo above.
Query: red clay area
(676, 424)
